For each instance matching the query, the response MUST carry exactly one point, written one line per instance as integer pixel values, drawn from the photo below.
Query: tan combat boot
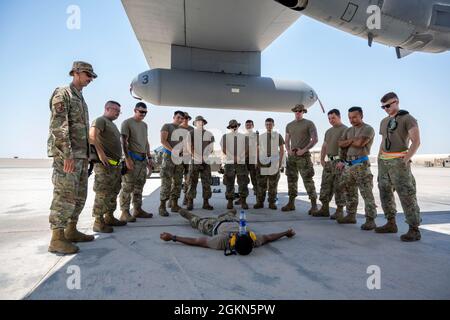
(126, 216)
(72, 234)
(323, 212)
(175, 207)
(389, 227)
(101, 227)
(272, 205)
(313, 209)
(290, 205)
(162, 209)
(59, 243)
(190, 204)
(111, 221)
(230, 204)
(369, 224)
(259, 203)
(206, 205)
(338, 214)
(349, 219)
(140, 213)
(244, 204)
(413, 234)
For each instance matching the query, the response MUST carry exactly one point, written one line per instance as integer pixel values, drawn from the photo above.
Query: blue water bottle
(242, 223)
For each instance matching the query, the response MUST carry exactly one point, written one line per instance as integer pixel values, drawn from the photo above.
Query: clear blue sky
(37, 50)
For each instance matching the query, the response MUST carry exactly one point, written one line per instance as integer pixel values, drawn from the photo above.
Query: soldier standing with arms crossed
(270, 156)
(171, 170)
(186, 157)
(69, 146)
(136, 149)
(105, 136)
(355, 149)
(201, 146)
(394, 167)
(251, 154)
(233, 147)
(301, 136)
(331, 175)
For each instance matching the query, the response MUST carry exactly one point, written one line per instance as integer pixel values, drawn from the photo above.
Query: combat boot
(338, 214)
(238, 202)
(272, 205)
(175, 207)
(72, 234)
(140, 213)
(190, 204)
(206, 205)
(126, 216)
(59, 243)
(313, 209)
(162, 209)
(185, 213)
(259, 204)
(244, 204)
(230, 204)
(323, 212)
(111, 221)
(349, 219)
(290, 205)
(413, 234)
(101, 227)
(369, 224)
(389, 227)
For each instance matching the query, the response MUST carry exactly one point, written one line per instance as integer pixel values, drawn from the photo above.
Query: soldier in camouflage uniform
(355, 146)
(172, 165)
(331, 176)
(138, 160)
(233, 148)
(187, 157)
(105, 136)
(251, 154)
(69, 146)
(201, 145)
(270, 156)
(394, 167)
(301, 136)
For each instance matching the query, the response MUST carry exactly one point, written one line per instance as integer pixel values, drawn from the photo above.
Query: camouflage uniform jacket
(69, 125)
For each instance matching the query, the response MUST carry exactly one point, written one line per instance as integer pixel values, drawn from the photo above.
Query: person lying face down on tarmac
(223, 233)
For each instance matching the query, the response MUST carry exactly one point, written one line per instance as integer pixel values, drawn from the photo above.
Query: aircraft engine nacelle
(169, 87)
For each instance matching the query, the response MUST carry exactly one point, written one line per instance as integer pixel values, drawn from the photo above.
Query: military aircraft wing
(227, 26)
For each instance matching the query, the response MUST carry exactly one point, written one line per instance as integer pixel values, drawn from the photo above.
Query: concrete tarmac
(323, 261)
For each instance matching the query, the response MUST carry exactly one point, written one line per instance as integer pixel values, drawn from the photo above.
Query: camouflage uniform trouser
(332, 184)
(396, 175)
(206, 225)
(171, 179)
(267, 183)
(304, 165)
(107, 186)
(186, 177)
(253, 172)
(359, 177)
(133, 185)
(204, 171)
(69, 193)
(231, 172)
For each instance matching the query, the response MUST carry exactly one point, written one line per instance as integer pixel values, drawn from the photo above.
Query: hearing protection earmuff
(230, 248)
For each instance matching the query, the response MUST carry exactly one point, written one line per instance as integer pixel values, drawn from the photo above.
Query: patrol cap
(80, 66)
(233, 123)
(299, 107)
(186, 115)
(199, 118)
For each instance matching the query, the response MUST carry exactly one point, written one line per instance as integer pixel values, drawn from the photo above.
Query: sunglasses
(233, 127)
(387, 106)
(142, 112)
(300, 111)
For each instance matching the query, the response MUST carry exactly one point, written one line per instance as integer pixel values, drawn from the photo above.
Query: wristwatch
(174, 238)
